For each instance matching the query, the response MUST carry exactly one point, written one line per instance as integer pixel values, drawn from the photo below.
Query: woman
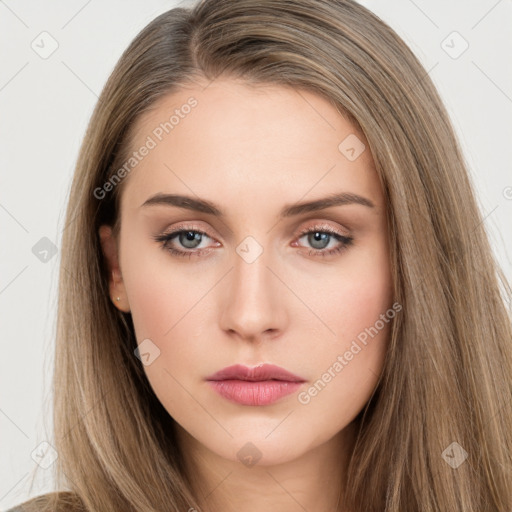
(276, 291)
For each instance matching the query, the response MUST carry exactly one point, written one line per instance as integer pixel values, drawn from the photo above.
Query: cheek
(169, 305)
(360, 311)
(360, 291)
(159, 292)
(357, 306)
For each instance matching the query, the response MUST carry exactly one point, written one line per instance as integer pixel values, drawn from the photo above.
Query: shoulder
(63, 501)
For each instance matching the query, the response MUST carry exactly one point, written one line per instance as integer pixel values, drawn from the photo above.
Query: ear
(116, 284)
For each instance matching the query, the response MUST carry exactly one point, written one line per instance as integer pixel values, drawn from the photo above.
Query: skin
(251, 151)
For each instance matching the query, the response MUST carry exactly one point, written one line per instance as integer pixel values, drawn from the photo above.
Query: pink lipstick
(261, 385)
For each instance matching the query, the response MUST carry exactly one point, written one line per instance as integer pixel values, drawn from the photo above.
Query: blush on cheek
(357, 305)
(151, 288)
(150, 295)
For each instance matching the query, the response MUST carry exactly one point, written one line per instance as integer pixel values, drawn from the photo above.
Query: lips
(261, 385)
(258, 373)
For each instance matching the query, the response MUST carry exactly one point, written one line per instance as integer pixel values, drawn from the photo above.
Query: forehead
(240, 141)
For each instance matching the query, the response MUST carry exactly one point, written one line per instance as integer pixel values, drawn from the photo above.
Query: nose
(253, 308)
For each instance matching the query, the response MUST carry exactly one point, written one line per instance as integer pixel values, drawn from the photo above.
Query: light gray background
(45, 105)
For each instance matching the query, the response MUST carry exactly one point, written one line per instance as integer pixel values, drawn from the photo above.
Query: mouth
(260, 385)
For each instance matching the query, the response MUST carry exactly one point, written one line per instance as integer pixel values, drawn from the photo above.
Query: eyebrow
(204, 206)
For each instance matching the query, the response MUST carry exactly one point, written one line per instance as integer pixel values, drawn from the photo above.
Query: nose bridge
(251, 277)
(253, 301)
(250, 273)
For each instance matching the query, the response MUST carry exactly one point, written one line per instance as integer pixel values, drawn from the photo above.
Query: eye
(319, 237)
(189, 238)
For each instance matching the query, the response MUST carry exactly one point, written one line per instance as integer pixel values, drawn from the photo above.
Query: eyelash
(165, 238)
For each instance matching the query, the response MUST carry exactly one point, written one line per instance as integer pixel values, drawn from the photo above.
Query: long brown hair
(448, 373)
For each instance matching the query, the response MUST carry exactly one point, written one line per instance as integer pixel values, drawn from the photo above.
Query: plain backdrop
(45, 104)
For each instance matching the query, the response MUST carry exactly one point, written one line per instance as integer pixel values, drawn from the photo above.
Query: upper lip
(258, 373)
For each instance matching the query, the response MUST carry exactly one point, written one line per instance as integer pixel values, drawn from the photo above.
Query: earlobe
(116, 284)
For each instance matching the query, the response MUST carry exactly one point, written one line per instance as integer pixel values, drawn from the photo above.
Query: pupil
(190, 238)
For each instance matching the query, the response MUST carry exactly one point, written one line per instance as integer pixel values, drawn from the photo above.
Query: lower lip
(254, 393)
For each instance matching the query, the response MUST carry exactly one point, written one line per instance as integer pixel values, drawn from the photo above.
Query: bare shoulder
(62, 501)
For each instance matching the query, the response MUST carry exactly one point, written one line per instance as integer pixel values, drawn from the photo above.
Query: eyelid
(322, 225)
(188, 227)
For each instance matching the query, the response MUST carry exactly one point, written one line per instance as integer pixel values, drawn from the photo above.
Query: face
(243, 272)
